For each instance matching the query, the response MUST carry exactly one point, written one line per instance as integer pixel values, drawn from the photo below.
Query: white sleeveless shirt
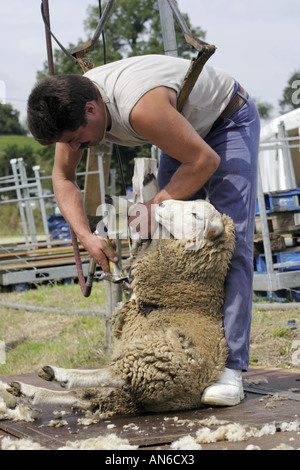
(122, 83)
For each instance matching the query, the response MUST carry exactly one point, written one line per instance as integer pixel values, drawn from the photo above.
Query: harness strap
(193, 74)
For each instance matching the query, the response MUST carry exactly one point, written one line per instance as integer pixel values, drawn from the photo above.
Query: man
(208, 151)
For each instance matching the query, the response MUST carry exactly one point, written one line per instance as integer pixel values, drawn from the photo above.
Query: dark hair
(57, 104)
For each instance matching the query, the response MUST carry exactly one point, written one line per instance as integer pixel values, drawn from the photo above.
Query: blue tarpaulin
(58, 227)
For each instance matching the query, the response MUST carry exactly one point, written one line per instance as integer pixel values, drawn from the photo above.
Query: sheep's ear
(207, 233)
(213, 229)
(209, 230)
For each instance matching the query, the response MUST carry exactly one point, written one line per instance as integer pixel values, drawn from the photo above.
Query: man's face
(90, 134)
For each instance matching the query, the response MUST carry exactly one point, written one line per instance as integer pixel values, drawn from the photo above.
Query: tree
(291, 94)
(9, 121)
(13, 150)
(264, 109)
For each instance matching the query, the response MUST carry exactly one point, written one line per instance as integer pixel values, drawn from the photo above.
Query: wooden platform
(23, 265)
(60, 253)
(265, 403)
(44, 261)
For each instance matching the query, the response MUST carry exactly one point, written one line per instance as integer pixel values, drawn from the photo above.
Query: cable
(55, 39)
(103, 35)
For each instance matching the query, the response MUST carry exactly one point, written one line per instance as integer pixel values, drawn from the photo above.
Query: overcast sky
(258, 42)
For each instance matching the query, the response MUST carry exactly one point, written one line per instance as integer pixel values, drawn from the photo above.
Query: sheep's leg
(112, 400)
(70, 378)
(42, 396)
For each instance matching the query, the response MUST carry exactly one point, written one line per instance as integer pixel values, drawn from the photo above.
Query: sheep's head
(187, 264)
(193, 221)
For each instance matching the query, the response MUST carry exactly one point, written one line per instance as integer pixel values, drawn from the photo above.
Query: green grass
(19, 140)
(34, 338)
(272, 339)
(11, 223)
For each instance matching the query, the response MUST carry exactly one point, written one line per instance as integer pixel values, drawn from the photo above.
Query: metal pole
(113, 177)
(113, 295)
(101, 177)
(265, 230)
(287, 158)
(48, 37)
(24, 182)
(36, 170)
(173, 6)
(103, 19)
(13, 163)
(168, 29)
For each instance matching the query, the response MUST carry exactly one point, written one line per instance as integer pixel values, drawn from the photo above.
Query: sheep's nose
(161, 204)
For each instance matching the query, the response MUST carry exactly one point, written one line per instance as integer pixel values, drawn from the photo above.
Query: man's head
(58, 104)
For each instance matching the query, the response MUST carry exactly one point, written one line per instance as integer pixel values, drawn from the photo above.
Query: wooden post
(92, 193)
(142, 168)
(113, 291)
(113, 295)
(93, 198)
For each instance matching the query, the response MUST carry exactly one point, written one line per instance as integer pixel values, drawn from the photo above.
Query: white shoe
(228, 391)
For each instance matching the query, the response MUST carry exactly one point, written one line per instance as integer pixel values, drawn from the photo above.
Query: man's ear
(90, 108)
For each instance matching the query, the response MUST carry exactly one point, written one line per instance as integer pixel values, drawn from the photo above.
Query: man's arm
(70, 201)
(155, 117)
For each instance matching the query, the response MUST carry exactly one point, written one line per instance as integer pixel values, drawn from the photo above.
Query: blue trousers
(232, 190)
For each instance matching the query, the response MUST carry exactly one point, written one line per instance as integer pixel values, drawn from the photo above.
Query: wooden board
(153, 431)
(280, 222)
(41, 263)
(22, 257)
(40, 251)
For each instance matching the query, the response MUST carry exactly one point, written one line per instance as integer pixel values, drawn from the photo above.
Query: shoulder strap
(193, 73)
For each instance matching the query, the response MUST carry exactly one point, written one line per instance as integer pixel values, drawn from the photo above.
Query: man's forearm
(70, 201)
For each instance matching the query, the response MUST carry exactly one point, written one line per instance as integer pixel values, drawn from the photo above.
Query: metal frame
(22, 185)
(38, 275)
(273, 280)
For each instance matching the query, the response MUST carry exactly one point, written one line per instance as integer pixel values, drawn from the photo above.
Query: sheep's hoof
(15, 389)
(47, 373)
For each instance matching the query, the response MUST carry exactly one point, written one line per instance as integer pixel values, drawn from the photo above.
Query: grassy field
(19, 140)
(33, 338)
(11, 223)
(274, 340)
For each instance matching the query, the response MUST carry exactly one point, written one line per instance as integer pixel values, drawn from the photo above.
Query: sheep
(168, 337)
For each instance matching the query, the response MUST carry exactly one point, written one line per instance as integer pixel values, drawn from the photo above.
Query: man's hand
(100, 251)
